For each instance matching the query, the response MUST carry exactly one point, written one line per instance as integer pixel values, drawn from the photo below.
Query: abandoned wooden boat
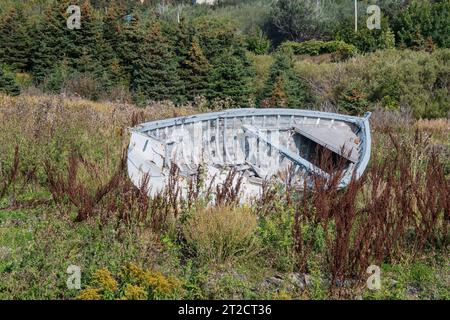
(259, 144)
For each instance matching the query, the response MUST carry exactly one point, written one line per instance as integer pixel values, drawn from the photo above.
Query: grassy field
(65, 200)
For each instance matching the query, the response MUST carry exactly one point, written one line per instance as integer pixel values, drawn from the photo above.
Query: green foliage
(298, 20)
(215, 34)
(392, 79)
(257, 42)
(15, 40)
(86, 49)
(366, 40)
(8, 84)
(49, 51)
(422, 20)
(206, 52)
(129, 38)
(352, 98)
(440, 32)
(277, 239)
(55, 79)
(230, 77)
(261, 65)
(155, 75)
(317, 47)
(83, 50)
(195, 72)
(284, 87)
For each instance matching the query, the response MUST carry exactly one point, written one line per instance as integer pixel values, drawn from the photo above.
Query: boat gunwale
(232, 113)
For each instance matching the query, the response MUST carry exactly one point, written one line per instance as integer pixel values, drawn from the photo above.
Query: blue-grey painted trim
(231, 113)
(367, 147)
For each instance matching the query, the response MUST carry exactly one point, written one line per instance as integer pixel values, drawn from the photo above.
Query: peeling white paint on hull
(260, 144)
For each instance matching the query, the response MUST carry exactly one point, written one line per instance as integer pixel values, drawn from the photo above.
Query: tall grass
(221, 234)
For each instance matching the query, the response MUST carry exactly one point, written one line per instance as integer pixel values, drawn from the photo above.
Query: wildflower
(90, 294)
(104, 279)
(133, 292)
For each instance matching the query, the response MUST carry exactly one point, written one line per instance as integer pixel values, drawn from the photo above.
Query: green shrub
(316, 47)
(422, 20)
(421, 274)
(8, 84)
(352, 98)
(257, 42)
(298, 19)
(275, 231)
(284, 86)
(366, 40)
(392, 79)
(261, 65)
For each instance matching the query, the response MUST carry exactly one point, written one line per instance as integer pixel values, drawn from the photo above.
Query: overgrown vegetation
(67, 200)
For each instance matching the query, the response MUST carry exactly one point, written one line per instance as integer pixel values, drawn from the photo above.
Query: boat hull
(259, 144)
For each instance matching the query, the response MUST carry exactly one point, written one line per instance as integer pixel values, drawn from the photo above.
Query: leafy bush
(275, 232)
(220, 235)
(366, 40)
(392, 79)
(352, 98)
(317, 47)
(8, 84)
(257, 42)
(422, 20)
(261, 65)
(284, 87)
(299, 19)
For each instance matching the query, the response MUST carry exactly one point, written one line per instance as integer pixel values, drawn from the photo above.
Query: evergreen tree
(284, 87)
(83, 50)
(441, 23)
(215, 34)
(15, 40)
(155, 73)
(180, 36)
(111, 30)
(51, 48)
(56, 78)
(278, 96)
(423, 19)
(230, 77)
(87, 51)
(8, 85)
(195, 72)
(130, 37)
